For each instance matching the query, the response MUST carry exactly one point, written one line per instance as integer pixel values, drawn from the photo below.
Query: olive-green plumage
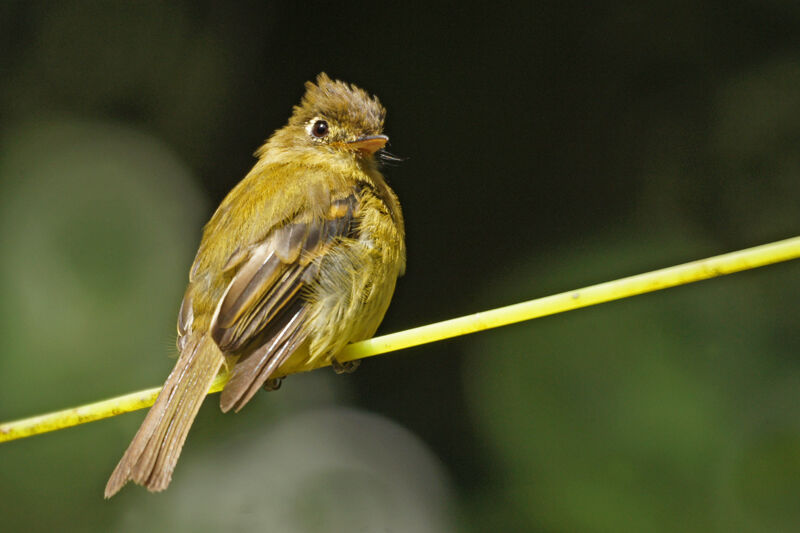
(299, 259)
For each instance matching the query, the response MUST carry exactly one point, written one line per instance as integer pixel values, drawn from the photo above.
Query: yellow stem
(604, 292)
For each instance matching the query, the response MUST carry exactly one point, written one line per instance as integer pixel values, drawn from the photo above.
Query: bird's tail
(154, 451)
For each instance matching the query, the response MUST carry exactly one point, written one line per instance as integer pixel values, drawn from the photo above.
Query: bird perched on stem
(299, 259)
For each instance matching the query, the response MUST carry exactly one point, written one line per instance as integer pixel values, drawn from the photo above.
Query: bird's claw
(273, 384)
(348, 367)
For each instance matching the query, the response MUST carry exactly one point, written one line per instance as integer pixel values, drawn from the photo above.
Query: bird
(300, 258)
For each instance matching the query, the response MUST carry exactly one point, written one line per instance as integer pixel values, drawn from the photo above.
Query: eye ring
(320, 129)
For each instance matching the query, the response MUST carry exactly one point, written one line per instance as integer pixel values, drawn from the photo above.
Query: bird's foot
(273, 384)
(348, 367)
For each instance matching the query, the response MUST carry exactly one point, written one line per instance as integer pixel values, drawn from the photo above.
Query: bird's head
(334, 117)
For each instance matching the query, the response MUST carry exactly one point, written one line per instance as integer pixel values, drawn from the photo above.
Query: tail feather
(251, 372)
(154, 451)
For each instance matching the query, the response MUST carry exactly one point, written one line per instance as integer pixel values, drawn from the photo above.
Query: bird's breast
(356, 280)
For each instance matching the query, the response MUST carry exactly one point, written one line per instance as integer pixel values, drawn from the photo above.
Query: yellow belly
(353, 289)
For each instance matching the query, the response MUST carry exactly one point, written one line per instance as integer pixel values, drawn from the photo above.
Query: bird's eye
(319, 129)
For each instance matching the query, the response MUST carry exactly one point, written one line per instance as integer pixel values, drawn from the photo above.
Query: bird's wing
(262, 313)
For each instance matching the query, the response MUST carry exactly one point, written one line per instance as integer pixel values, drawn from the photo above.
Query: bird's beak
(369, 145)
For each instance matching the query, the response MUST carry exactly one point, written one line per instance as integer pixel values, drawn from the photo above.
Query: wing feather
(262, 314)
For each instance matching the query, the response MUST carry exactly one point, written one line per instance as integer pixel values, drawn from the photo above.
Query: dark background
(549, 145)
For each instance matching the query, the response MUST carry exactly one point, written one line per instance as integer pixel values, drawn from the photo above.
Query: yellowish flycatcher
(300, 259)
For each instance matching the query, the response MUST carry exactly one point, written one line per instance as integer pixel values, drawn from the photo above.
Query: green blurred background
(550, 145)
